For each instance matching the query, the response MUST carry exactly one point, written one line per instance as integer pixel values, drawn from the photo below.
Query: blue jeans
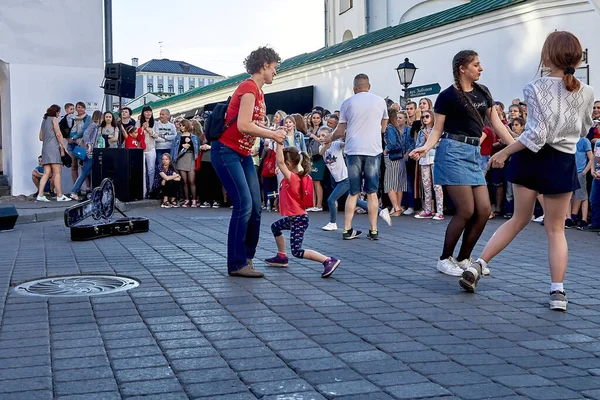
(408, 198)
(339, 189)
(366, 167)
(595, 203)
(85, 171)
(238, 175)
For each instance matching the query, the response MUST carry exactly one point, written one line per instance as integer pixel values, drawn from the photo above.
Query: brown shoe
(247, 272)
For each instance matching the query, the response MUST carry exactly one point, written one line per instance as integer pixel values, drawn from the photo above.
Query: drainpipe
(108, 44)
(326, 25)
(366, 16)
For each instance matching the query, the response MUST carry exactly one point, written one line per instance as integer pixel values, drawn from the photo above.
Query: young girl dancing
(543, 159)
(295, 166)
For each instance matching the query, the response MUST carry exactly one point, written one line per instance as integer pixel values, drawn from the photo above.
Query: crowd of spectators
(178, 170)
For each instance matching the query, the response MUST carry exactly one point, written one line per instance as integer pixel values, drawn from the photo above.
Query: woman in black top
(460, 111)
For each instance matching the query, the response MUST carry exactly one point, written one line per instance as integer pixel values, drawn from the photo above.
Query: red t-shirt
(486, 145)
(290, 204)
(136, 143)
(232, 137)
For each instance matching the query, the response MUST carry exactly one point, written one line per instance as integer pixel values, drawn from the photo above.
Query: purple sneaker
(330, 265)
(277, 261)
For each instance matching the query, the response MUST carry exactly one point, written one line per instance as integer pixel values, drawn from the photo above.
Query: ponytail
(305, 164)
(571, 83)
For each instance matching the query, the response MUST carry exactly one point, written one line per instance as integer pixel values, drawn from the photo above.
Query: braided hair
(463, 59)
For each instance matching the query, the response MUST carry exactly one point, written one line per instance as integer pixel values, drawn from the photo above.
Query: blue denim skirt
(457, 164)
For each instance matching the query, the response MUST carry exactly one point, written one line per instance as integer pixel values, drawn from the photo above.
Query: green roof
(449, 16)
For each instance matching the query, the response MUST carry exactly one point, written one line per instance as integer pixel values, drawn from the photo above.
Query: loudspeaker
(121, 71)
(119, 88)
(8, 217)
(125, 167)
(119, 80)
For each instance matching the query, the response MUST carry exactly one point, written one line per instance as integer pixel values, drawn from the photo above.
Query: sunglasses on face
(425, 116)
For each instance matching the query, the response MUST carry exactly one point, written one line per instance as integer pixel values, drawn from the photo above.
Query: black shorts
(548, 171)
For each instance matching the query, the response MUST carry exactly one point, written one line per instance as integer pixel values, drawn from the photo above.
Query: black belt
(473, 141)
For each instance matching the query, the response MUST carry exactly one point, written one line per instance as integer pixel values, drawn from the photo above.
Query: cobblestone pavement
(387, 325)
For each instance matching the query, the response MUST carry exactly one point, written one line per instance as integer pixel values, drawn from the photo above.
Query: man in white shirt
(166, 133)
(363, 119)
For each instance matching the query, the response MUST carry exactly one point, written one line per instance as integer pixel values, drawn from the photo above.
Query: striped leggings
(427, 179)
(297, 225)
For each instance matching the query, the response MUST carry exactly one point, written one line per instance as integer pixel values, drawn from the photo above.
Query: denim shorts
(363, 167)
(458, 164)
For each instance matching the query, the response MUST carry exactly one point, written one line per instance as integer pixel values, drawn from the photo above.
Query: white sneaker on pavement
(539, 219)
(384, 214)
(42, 198)
(464, 264)
(449, 267)
(63, 198)
(409, 211)
(332, 226)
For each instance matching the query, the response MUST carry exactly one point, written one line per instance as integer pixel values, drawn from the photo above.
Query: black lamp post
(406, 73)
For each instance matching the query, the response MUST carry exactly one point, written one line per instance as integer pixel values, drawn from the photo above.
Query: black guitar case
(101, 208)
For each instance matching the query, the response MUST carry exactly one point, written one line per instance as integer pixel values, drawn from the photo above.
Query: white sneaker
(63, 198)
(332, 226)
(360, 210)
(42, 198)
(539, 219)
(385, 215)
(464, 264)
(310, 209)
(317, 209)
(449, 267)
(409, 211)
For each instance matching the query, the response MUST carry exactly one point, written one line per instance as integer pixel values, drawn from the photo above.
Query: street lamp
(406, 73)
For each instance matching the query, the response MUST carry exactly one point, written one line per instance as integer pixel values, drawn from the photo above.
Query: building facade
(170, 76)
(507, 34)
(348, 19)
(37, 70)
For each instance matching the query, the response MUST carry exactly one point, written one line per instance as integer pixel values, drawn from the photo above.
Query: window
(150, 87)
(180, 89)
(160, 88)
(192, 87)
(171, 89)
(345, 5)
(211, 81)
(200, 82)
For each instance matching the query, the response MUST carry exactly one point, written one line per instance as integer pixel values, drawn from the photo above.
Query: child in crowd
(517, 127)
(426, 164)
(135, 138)
(584, 160)
(168, 181)
(295, 166)
(334, 160)
(37, 174)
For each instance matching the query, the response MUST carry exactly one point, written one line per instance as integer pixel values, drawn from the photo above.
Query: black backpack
(215, 125)
(64, 127)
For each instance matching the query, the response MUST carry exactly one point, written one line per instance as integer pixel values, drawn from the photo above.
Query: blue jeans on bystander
(85, 171)
(595, 203)
(341, 188)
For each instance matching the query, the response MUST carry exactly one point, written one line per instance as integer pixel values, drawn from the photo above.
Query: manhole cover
(77, 285)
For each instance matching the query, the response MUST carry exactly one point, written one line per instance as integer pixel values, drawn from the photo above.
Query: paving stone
(396, 378)
(417, 390)
(548, 393)
(144, 374)
(150, 387)
(347, 388)
(25, 385)
(312, 395)
(279, 387)
(207, 375)
(515, 381)
(215, 388)
(83, 374)
(331, 376)
(87, 386)
(481, 391)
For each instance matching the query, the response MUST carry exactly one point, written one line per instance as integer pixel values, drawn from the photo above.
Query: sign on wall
(425, 90)
(583, 74)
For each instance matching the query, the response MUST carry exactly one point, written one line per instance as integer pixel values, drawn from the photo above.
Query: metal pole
(108, 44)
(326, 25)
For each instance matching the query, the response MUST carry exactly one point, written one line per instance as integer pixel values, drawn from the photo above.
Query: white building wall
(42, 68)
(509, 42)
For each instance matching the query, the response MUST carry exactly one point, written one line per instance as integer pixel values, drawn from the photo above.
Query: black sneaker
(582, 224)
(373, 235)
(569, 223)
(351, 234)
(589, 228)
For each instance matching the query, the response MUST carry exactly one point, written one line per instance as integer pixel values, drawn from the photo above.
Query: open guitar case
(101, 207)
